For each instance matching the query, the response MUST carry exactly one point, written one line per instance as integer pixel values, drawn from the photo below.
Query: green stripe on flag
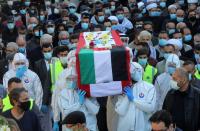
(87, 70)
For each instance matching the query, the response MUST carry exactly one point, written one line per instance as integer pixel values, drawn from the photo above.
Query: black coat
(191, 106)
(3, 69)
(45, 78)
(9, 36)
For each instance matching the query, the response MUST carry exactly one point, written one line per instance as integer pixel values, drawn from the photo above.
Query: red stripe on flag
(86, 88)
(81, 42)
(117, 38)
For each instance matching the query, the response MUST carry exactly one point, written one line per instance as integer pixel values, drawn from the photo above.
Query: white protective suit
(134, 115)
(67, 101)
(162, 82)
(30, 80)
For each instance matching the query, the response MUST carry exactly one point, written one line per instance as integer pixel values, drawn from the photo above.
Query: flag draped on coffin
(103, 72)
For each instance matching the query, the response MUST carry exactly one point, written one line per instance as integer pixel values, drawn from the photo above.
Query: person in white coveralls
(137, 103)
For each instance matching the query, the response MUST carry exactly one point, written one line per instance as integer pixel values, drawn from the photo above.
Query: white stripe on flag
(106, 89)
(103, 66)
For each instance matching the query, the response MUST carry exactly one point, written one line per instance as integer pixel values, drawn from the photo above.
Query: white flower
(4, 128)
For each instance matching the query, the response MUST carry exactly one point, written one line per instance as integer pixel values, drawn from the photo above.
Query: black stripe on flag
(119, 64)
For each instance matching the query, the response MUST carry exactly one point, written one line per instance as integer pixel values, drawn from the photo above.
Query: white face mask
(10, 3)
(63, 60)
(56, 11)
(174, 85)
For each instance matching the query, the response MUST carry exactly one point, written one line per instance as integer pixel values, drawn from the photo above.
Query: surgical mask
(190, 76)
(174, 85)
(166, 55)
(84, 26)
(144, 11)
(37, 33)
(120, 17)
(197, 56)
(25, 105)
(181, 2)
(10, 3)
(163, 4)
(56, 11)
(33, 25)
(112, 8)
(114, 27)
(42, 17)
(22, 50)
(142, 62)
(27, 3)
(64, 42)
(187, 38)
(48, 55)
(71, 84)
(71, 30)
(179, 19)
(101, 18)
(162, 42)
(108, 28)
(172, 16)
(63, 60)
(171, 31)
(23, 11)
(20, 70)
(107, 11)
(72, 10)
(154, 13)
(136, 76)
(50, 30)
(198, 67)
(10, 26)
(139, 15)
(171, 70)
(72, 46)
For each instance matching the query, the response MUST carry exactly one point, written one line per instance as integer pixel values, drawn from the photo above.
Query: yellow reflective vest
(55, 68)
(149, 73)
(197, 75)
(7, 105)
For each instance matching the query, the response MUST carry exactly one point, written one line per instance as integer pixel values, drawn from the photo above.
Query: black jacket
(191, 105)
(45, 78)
(3, 69)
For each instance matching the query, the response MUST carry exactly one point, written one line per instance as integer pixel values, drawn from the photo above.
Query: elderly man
(183, 101)
(30, 79)
(63, 38)
(21, 42)
(162, 85)
(5, 64)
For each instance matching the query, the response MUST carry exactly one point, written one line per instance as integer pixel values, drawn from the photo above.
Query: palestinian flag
(103, 72)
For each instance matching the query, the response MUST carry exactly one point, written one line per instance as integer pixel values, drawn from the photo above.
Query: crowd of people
(38, 42)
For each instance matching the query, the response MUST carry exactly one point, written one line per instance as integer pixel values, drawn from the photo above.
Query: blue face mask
(172, 16)
(197, 56)
(71, 84)
(112, 8)
(64, 42)
(114, 27)
(171, 70)
(27, 3)
(142, 62)
(101, 18)
(20, 71)
(166, 55)
(23, 12)
(48, 55)
(171, 31)
(71, 30)
(107, 11)
(187, 38)
(72, 10)
(120, 17)
(33, 25)
(154, 13)
(179, 19)
(108, 28)
(84, 26)
(50, 30)
(144, 11)
(42, 17)
(136, 76)
(10, 26)
(37, 33)
(162, 42)
(163, 4)
(181, 2)
(198, 67)
(22, 50)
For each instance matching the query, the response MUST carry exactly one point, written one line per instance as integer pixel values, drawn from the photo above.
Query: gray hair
(12, 45)
(183, 73)
(46, 38)
(63, 33)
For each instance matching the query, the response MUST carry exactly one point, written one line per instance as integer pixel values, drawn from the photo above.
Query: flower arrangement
(4, 126)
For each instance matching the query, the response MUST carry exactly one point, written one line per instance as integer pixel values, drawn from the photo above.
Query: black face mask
(25, 105)
(192, 19)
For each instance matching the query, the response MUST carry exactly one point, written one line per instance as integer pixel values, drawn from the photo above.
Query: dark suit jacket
(45, 78)
(3, 69)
